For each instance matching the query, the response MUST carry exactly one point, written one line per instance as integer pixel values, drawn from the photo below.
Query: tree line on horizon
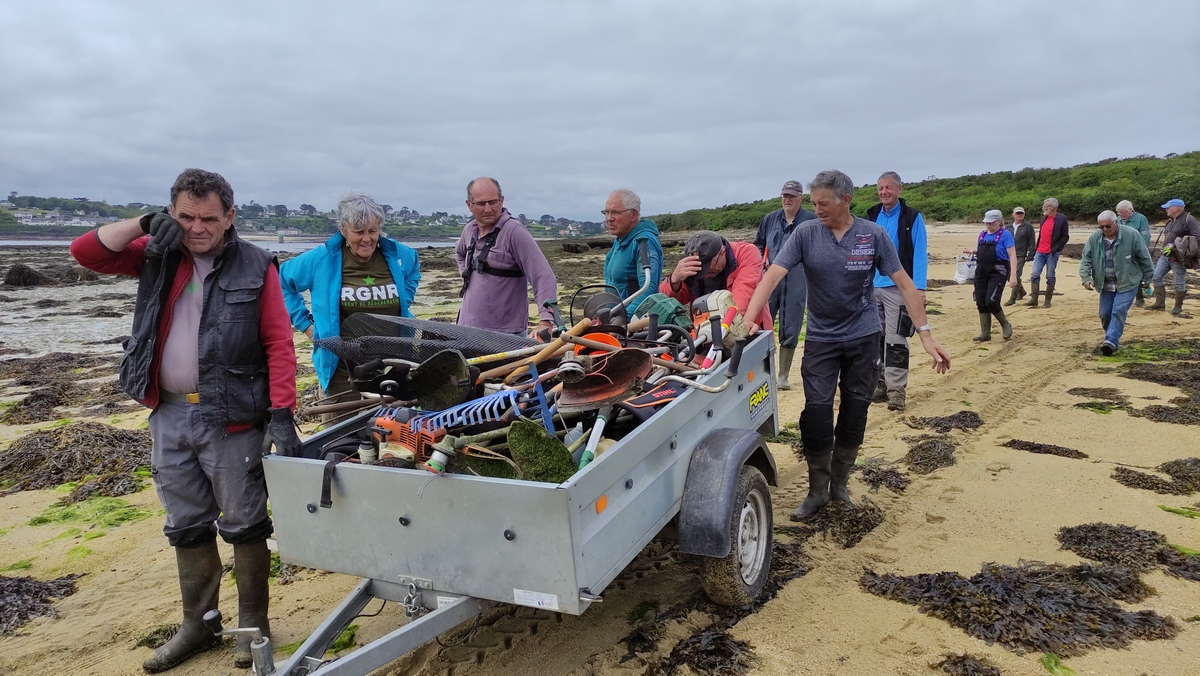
(1082, 191)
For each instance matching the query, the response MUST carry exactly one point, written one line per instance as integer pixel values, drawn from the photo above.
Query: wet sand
(996, 504)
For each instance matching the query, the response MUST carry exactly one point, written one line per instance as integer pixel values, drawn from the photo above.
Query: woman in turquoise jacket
(356, 270)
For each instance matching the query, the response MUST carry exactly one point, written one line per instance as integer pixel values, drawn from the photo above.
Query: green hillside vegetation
(1082, 191)
(70, 206)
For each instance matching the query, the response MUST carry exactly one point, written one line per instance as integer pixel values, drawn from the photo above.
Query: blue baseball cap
(1173, 203)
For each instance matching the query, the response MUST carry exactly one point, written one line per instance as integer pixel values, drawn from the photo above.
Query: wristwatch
(925, 327)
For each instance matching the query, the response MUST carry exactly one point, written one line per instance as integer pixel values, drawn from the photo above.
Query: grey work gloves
(166, 234)
(281, 431)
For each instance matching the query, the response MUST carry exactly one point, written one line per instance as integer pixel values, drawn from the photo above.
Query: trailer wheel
(737, 579)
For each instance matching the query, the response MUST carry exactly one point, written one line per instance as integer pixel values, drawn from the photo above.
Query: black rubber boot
(1021, 290)
(1033, 296)
(1049, 293)
(1005, 327)
(252, 566)
(881, 393)
(840, 469)
(818, 486)
(1140, 299)
(1012, 297)
(1160, 298)
(985, 328)
(199, 585)
(1178, 309)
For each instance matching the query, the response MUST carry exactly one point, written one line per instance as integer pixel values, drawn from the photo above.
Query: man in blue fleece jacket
(622, 267)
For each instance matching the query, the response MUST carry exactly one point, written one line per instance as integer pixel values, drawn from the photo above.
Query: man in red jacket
(712, 263)
(211, 353)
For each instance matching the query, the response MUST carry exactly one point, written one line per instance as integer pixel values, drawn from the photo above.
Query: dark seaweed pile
(1127, 546)
(1047, 449)
(1184, 473)
(112, 485)
(712, 645)
(927, 453)
(843, 522)
(48, 458)
(24, 598)
(1183, 375)
(50, 368)
(963, 420)
(966, 665)
(1033, 606)
(884, 476)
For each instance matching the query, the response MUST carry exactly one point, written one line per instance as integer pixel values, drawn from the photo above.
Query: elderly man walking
(499, 261)
(1026, 246)
(841, 255)
(622, 267)
(906, 228)
(789, 298)
(1115, 262)
(1128, 217)
(1181, 224)
(1052, 237)
(211, 353)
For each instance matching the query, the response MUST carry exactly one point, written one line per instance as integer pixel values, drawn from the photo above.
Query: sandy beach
(996, 504)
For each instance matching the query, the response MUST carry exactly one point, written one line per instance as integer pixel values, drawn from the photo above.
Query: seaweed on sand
(1128, 546)
(51, 367)
(1183, 375)
(1184, 473)
(963, 420)
(24, 598)
(966, 665)
(876, 476)
(927, 453)
(48, 458)
(1033, 605)
(111, 485)
(1045, 449)
(844, 522)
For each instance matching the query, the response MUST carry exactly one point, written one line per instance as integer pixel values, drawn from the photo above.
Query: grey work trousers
(206, 477)
(897, 329)
(787, 304)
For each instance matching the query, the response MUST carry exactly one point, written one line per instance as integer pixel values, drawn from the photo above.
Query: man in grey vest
(789, 298)
(211, 353)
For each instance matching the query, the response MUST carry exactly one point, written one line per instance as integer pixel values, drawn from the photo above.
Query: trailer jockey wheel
(739, 578)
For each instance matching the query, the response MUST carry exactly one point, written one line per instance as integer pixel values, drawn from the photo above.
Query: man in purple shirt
(498, 259)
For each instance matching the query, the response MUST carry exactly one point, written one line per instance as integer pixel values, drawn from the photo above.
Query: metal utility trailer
(455, 544)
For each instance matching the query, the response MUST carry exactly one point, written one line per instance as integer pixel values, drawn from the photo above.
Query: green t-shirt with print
(368, 287)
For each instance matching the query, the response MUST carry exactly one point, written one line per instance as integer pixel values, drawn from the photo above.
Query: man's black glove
(281, 431)
(166, 234)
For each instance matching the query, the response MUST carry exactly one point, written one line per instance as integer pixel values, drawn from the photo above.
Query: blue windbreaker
(319, 270)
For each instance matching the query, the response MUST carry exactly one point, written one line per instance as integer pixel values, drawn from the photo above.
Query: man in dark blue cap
(1181, 224)
(788, 301)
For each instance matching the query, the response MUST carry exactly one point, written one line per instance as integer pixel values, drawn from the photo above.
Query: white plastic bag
(965, 273)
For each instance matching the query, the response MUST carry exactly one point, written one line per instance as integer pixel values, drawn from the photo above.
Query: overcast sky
(690, 104)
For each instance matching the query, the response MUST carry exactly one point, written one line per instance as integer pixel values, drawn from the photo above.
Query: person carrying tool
(356, 270)
(498, 260)
(712, 263)
(994, 252)
(1026, 246)
(211, 353)
(841, 255)
(1116, 263)
(788, 301)
(1181, 224)
(1053, 236)
(622, 267)
(906, 228)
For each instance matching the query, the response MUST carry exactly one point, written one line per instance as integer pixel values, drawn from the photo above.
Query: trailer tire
(738, 578)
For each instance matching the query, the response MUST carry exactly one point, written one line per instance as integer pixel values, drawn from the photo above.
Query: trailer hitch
(260, 647)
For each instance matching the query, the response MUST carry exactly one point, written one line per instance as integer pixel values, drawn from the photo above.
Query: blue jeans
(1041, 260)
(1160, 273)
(1114, 306)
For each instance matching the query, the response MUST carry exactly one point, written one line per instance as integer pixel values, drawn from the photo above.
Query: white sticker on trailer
(444, 601)
(534, 599)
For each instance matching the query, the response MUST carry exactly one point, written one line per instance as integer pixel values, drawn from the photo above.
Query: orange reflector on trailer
(601, 503)
(750, 376)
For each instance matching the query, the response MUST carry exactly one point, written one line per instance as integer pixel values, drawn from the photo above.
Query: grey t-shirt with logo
(840, 276)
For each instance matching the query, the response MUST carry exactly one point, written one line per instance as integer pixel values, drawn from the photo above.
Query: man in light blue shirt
(906, 227)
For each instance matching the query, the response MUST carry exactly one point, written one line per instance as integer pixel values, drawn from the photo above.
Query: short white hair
(1051, 201)
(358, 211)
(1107, 216)
(629, 199)
(1124, 204)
